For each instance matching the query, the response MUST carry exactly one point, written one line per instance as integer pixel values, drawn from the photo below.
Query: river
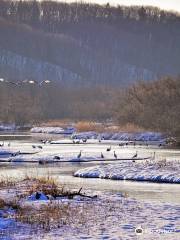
(63, 172)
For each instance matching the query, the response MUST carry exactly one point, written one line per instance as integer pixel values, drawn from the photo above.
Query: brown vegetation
(154, 105)
(57, 123)
(83, 126)
(52, 214)
(46, 185)
(6, 182)
(34, 104)
(134, 43)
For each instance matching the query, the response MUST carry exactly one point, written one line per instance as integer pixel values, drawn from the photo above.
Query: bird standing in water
(135, 155)
(40, 147)
(115, 155)
(102, 156)
(79, 155)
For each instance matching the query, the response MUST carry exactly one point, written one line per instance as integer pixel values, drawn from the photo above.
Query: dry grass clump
(167, 164)
(129, 127)
(162, 163)
(6, 182)
(85, 126)
(2, 203)
(14, 203)
(51, 215)
(47, 185)
(57, 123)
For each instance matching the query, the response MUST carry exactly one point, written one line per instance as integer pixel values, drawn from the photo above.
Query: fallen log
(71, 195)
(67, 194)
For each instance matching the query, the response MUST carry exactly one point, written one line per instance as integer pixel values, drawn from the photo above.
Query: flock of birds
(102, 156)
(80, 153)
(108, 150)
(40, 147)
(37, 146)
(19, 83)
(122, 144)
(3, 144)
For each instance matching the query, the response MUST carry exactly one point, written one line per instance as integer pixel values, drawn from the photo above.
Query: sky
(164, 4)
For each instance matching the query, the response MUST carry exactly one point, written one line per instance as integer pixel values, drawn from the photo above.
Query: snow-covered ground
(110, 216)
(13, 127)
(67, 151)
(114, 215)
(7, 127)
(118, 136)
(121, 136)
(53, 130)
(7, 153)
(159, 171)
(93, 151)
(51, 158)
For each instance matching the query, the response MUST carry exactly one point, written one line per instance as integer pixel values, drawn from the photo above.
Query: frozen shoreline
(53, 130)
(118, 136)
(161, 171)
(108, 216)
(121, 136)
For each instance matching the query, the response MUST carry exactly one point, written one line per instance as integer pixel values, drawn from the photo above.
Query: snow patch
(7, 127)
(121, 136)
(53, 130)
(132, 171)
(5, 223)
(7, 152)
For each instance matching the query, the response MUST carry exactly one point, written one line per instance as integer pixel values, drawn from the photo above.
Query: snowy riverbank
(121, 136)
(161, 171)
(9, 127)
(92, 135)
(108, 216)
(13, 127)
(53, 130)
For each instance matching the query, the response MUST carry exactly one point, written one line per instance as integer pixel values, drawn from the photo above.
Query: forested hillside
(87, 44)
(95, 57)
(154, 105)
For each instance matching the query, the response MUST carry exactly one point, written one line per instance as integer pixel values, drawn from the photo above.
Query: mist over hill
(82, 44)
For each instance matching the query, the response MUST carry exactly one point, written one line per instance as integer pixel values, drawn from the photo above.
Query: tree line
(35, 12)
(154, 105)
(100, 43)
(108, 48)
(30, 103)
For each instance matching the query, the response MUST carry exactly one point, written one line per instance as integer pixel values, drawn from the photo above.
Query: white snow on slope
(7, 127)
(53, 130)
(5, 223)
(153, 172)
(52, 158)
(121, 136)
(7, 152)
(108, 217)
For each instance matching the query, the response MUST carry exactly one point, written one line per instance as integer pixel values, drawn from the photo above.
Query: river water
(63, 172)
